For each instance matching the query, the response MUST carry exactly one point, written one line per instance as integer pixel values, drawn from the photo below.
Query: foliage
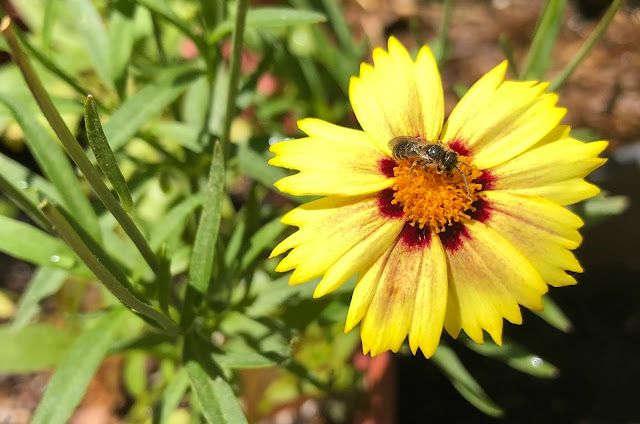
(176, 103)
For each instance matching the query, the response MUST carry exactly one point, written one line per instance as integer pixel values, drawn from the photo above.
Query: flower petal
(540, 229)
(552, 163)
(397, 97)
(404, 292)
(563, 192)
(334, 161)
(329, 229)
(488, 279)
(500, 124)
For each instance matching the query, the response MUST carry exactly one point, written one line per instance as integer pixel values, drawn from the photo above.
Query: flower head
(435, 245)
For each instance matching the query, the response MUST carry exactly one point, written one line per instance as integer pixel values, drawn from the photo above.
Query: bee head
(449, 160)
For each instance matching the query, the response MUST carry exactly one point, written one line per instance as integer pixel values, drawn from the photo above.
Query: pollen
(435, 200)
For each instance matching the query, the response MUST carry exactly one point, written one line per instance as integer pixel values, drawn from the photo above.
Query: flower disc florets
(432, 199)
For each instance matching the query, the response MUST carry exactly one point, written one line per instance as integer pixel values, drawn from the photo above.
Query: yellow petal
(540, 229)
(488, 279)
(333, 161)
(397, 97)
(552, 163)
(502, 119)
(403, 293)
(563, 192)
(329, 229)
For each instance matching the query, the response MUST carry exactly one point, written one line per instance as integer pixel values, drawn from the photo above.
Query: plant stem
(597, 33)
(73, 148)
(24, 203)
(234, 74)
(118, 288)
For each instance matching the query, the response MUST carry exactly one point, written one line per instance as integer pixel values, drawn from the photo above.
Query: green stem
(597, 33)
(118, 288)
(72, 146)
(24, 203)
(443, 36)
(234, 74)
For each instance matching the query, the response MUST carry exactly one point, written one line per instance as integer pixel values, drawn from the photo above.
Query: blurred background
(588, 355)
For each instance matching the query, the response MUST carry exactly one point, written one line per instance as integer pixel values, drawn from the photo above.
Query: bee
(428, 154)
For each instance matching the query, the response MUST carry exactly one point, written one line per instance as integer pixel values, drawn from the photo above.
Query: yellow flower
(430, 252)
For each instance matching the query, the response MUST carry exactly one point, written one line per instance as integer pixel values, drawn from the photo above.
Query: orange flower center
(432, 199)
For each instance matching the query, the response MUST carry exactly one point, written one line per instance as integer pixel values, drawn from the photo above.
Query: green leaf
(553, 315)
(255, 165)
(3, 45)
(54, 164)
(147, 103)
(247, 358)
(70, 380)
(25, 242)
(92, 31)
(172, 396)
(50, 16)
(539, 57)
(217, 402)
(32, 348)
(447, 360)
(201, 266)
(44, 283)
(104, 268)
(184, 134)
(134, 373)
(269, 17)
(104, 155)
(262, 239)
(28, 181)
(515, 356)
(121, 38)
(173, 222)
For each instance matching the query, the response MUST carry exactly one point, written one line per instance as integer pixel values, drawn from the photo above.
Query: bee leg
(413, 165)
(464, 178)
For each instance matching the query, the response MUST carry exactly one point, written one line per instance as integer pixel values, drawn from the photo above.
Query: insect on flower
(427, 154)
(456, 233)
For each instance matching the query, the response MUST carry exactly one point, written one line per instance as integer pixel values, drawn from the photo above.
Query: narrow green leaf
(20, 198)
(70, 380)
(162, 9)
(100, 263)
(249, 358)
(105, 157)
(44, 283)
(447, 360)
(3, 45)
(147, 103)
(255, 165)
(172, 396)
(441, 45)
(50, 16)
(32, 348)
(269, 17)
(262, 239)
(173, 222)
(339, 25)
(217, 402)
(54, 164)
(182, 133)
(597, 33)
(201, 266)
(553, 315)
(91, 30)
(121, 39)
(516, 356)
(25, 242)
(505, 45)
(539, 56)
(26, 180)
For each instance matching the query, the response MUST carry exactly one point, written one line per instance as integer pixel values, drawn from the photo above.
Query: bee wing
(403, 138)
